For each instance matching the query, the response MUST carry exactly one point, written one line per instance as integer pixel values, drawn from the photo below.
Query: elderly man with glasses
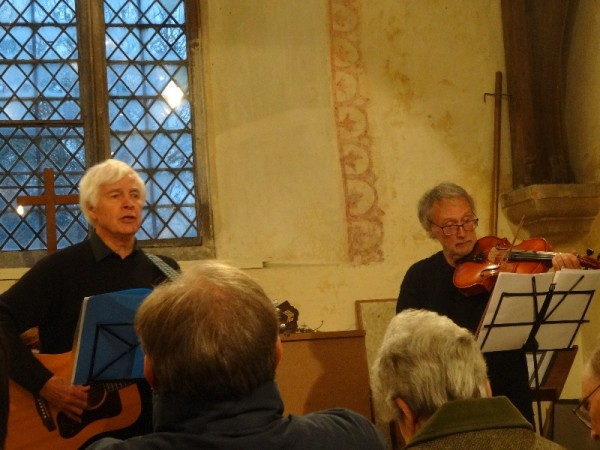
(588, 409)
(447, 214)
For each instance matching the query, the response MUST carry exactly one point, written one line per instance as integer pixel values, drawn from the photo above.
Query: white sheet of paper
(511, 311)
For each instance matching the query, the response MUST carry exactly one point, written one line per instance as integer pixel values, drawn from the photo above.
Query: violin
(477, 272)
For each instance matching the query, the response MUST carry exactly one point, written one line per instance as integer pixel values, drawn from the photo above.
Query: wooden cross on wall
(50, 200)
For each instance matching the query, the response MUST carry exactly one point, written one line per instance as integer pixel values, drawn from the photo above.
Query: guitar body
(117, 409)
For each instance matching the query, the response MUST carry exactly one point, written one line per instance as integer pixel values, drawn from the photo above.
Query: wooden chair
(373, 316)
(552, 384)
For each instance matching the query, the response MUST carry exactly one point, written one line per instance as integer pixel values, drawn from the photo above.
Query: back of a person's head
(592, 367)
(211, 333)
(427, 360)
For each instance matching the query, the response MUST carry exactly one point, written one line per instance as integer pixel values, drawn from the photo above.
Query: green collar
(461, 416)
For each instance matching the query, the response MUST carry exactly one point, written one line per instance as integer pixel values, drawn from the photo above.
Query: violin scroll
(587, 261)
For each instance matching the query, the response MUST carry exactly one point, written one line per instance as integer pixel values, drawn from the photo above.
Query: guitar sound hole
(96, 396)
(109, 407)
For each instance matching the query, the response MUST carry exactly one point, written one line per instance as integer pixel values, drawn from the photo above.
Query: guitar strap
(163, 266)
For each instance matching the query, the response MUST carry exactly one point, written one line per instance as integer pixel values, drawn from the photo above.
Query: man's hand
(565, 261)
(61, 394)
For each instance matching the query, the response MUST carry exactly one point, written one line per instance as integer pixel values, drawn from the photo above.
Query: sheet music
(573, 293)
(518, 299)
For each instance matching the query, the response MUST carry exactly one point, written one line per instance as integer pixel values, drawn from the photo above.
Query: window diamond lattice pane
(38, 60)
(25, 153)
(149, 112)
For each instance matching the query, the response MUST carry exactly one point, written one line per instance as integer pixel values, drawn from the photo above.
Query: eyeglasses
(582, 409)
(467, 225)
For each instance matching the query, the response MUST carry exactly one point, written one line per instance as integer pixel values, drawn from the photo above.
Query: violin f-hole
(489, 271)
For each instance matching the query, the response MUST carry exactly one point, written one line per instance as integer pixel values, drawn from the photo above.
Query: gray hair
(593, 364)
(426, 360)
(439, 192)
(210, 334)
(106, 172)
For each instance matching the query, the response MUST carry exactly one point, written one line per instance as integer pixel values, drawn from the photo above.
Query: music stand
(540, 312)
(106, 347)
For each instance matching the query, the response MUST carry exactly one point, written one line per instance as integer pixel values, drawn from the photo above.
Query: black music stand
(541, 312)
(106, 347)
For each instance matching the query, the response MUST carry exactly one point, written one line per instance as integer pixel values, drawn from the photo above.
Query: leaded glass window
(69, 99)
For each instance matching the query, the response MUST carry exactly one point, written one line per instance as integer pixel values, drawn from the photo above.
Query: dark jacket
(50, 294)
(253, 423)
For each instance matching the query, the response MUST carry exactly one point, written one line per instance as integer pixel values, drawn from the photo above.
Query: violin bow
(512, 244)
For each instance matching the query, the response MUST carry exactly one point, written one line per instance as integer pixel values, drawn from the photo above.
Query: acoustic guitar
(33, 424)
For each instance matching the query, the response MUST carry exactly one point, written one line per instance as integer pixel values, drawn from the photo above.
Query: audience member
(430, 377)
(588, 409)
(4, 398)
(211, 343)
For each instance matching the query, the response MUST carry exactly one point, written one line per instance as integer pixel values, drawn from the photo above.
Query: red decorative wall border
(363, 215)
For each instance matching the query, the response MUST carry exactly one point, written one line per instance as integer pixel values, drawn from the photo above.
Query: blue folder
(106, 347)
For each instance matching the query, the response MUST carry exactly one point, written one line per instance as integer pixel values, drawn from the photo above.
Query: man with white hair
(431, 377)
(49, 296)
